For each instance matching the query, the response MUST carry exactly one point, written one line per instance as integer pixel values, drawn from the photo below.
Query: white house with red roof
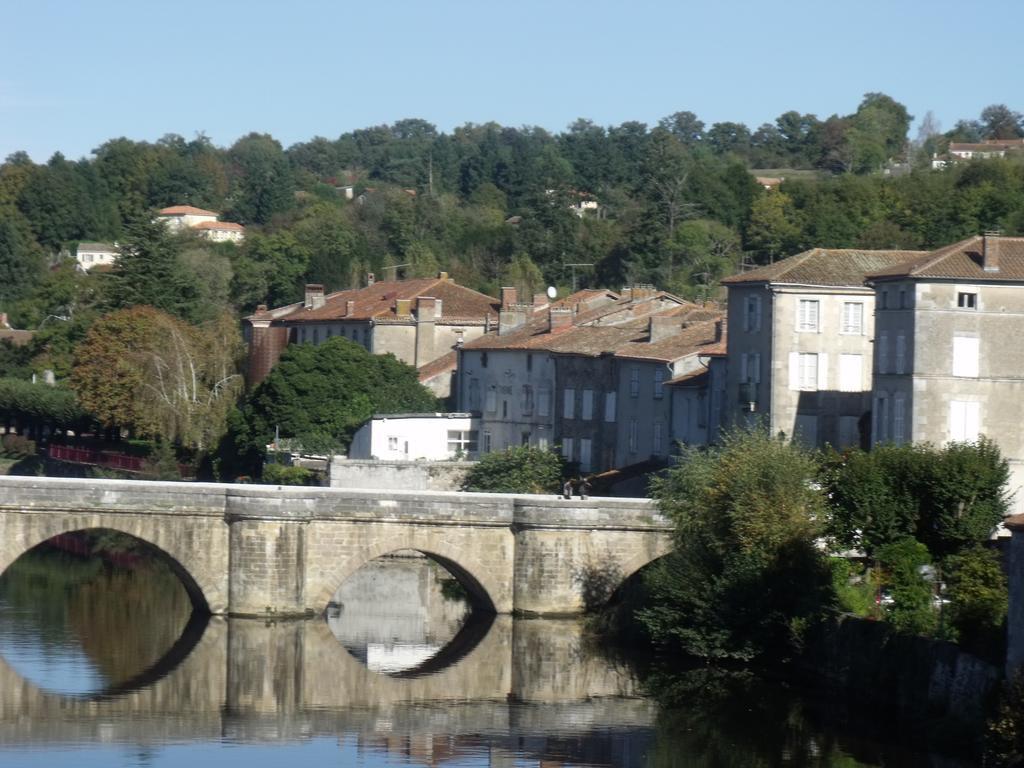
(180, 217)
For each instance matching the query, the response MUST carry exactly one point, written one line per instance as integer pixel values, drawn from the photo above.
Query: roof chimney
(403, 307)
(512, 316)
(442, 275)
(3, 320)
(370, 279)
(426, 308)
(559, 318)
(314, 296)
(661, 327)
(350, 308)
(508, 297)
(540, 300)
(720, 330)
(990, 251)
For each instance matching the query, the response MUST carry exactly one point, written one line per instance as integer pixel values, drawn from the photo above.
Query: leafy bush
(18, 446)
(746, 578)
(978, 597)
(279, 474)
(911, 608)
(521, 469)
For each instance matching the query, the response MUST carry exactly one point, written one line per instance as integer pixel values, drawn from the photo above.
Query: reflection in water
(80, 625)
(528, 692)
(396, 613)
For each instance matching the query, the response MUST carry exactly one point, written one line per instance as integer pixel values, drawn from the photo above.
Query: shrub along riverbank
(757, 575)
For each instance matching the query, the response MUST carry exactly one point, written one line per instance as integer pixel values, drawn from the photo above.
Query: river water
(105, 664)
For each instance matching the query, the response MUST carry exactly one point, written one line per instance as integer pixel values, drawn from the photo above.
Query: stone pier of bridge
(271, 551)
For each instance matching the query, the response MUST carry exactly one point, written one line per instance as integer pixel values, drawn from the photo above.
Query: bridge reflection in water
(521, 686)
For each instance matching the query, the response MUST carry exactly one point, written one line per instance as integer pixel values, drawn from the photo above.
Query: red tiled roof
(444, 364)
(185, 210)
(587, 340)
(229, 226)
(379, 302)
(825, 266)
(963, 261)
(687, 340)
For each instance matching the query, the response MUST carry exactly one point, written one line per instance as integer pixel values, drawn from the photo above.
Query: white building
(180, 217)
(89, 255)
(417, 436)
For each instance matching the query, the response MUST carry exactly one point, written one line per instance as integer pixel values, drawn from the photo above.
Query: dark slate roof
(962, 261)
(825, 267)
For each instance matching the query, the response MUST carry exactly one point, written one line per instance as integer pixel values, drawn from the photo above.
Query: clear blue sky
(74, 74)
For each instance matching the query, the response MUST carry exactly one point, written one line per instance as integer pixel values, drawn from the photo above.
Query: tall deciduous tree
(149, 371)
(263, 184)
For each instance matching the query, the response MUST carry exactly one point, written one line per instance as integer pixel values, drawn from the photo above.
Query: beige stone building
(421, 322)
(949, 365)
(800, 345)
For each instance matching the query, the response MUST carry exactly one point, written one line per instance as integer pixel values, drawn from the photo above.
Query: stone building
(800, 344)
(947, 366)
(418, 321)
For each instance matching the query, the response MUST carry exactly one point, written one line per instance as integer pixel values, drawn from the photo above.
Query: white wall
(406, 438)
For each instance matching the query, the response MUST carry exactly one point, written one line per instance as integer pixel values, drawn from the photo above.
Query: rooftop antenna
(396, 267)
(573, 266)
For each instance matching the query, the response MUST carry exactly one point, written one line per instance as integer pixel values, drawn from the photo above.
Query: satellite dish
(552, 291)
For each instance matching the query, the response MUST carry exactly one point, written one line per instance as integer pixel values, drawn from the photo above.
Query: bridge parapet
(272, 550)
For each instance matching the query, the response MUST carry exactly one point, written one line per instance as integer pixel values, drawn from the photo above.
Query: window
(504, 408)
(964, 419)
(881, 418)
(967, 300)
(898, 419)
(634, 381)
(965, 356)
(392, 443)
(569, 404)
(851, 373)
(883, 352)
(659, 383)
(807, 316)
(848, 431)
(587, 406)
(486, 443)
(585, 457)
(609, 406)
(656, 439)
(474, 394)
(462, 442)
(750, 367)
(366, 338)
(901, 353)
(483, 359)
(529, 362)
(883, 298)
(805, 429)
(527, 400)
(492, 400)
(544, 402)
(316, 335)
(567, 448)
(752, 314)
(903, 298)
(524, 439)
(853, 318)
(632, 436)
(807, 371)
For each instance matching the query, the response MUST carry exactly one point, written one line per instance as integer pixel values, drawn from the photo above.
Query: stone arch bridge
(251, 550)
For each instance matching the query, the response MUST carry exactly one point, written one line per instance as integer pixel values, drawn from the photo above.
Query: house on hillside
(947, 366)
(800, 345)
(90, 255)
(206, 223)
(419, 321)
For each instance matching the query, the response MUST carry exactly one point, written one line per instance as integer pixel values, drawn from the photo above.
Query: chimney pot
(508, 297)
(990, 251)
(559, 318)
(314, 296)
(370, 279)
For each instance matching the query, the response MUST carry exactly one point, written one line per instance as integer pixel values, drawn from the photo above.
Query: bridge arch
(37, 529)
(481, 584)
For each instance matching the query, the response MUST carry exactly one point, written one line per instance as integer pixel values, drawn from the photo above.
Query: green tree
(320, 394)
(978, 596)
(147, 370)
(262, 181)
(521, 469)
(774, 226)
(745, 578)
(911, 608)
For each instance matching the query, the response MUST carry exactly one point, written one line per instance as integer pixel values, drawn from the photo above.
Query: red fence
(92, 456)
